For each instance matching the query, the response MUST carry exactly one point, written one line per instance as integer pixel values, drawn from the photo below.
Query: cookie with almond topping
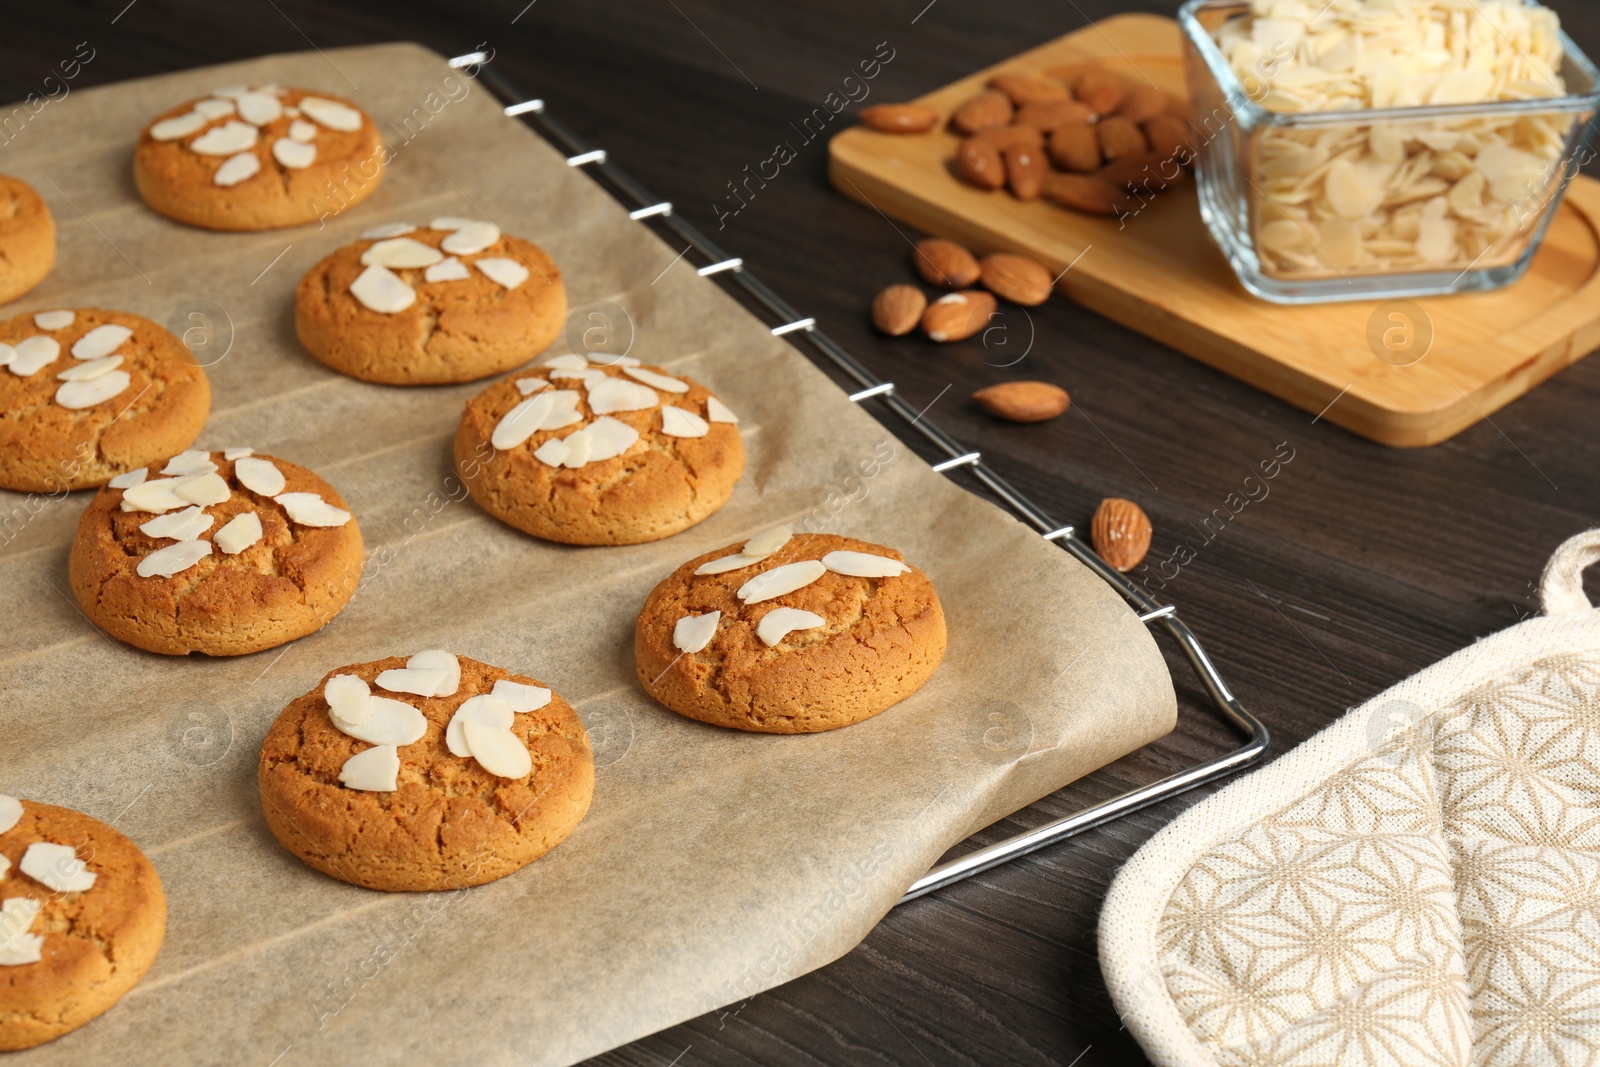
(27, 238)
(429, 773)
(590, 454)
(224, 553)
(256, 158)
(453, 301)
(82, 917)
(86, 394)
(789, 634)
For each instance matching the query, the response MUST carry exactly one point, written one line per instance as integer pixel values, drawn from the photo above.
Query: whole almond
(1004, 137)
(1101, 90)
(1075, 148)
(1016, 278)
(1144, 175)
(1120, 532)
(1023, 401)
(1144, 104)
(944, 263)
(957, 316)
(1120, 138)
(979, 162)
(898, 309)
(1026, 89)
(1056, 113)
(900, 118)
(1170, 137)
(989, 108)
(1088, 193)
(1026, 170)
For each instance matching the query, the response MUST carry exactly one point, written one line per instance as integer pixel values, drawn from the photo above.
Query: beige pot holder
(1417, 884)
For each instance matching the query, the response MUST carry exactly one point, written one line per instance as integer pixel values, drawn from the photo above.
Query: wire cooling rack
(647, 209)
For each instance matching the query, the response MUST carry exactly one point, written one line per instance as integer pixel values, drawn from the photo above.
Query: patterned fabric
(1418, 885)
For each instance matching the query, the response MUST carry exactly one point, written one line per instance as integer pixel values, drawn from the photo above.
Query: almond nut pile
(1082, 137)
(958, 315)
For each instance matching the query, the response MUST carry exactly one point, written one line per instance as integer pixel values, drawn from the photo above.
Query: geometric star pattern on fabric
(1437, 901)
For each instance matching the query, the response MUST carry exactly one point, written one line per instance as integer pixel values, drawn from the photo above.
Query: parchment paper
(713, 864)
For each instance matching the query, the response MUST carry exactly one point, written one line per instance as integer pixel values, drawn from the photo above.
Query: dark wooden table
(1363, 565)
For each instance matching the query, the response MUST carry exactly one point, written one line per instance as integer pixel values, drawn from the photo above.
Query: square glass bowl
(1313, 207)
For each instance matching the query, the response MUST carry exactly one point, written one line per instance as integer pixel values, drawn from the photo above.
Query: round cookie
(27, 238)
(224, 553)
(136, 397)
(515, 450)
(256, 159)
(82, 916)
(444, 804)
(452, 302)
(862, 638)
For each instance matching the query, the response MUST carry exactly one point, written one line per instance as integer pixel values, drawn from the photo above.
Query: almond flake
(401, 252)
(228, 139)
(508, 272)
(388, 722)
(529, 386)
(439, 659)
(485, 710)
(98, 342)
(33, 354)
(779, 623)
(737, 561)
(607, 395)
(692, 633)
(373, 770)
(579, 447)
(349, 699)
(565, 410)
(259, 108)
(236, 169)
(10, 812)
(520, 696)
(863, 564)
(781, 580)
(497, 751)
(165, 562)
(656, 381)
(609, 438)
(522, 421)
(330, 113)
(393, 229)
(203, 489)
(552, 453)
(82, 372)
(471, 238)
(78, 395)
(304, 132)
(190, 461)
(677, 422)
(178, 126)
(231, 454)
(309, 509)
(583, 374)
(717, 411)
(418, 681)
(154, 496)
(54, 320)
(296, 155)
(449, 269)
(239, 533)
(380, 289)
(213, 108)
(258, 475)
(185, 525)
(567, 361)
(57, 867)
(17, 915)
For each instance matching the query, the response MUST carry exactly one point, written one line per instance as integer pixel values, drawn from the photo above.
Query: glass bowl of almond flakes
(1382, 148)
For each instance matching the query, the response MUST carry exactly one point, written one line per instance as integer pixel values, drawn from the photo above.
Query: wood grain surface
(1362, 564)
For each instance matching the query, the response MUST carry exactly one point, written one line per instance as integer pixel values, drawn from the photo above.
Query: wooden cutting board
(1160, 274)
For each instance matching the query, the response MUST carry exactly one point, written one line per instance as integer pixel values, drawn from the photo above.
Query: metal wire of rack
(645, 208)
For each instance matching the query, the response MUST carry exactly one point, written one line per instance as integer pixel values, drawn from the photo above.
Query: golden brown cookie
(646, 456)
(217, 552)
(257, 158)
(27, 238)
(86, 394)
(429, 773)
(82, 916)
(451, 302)
(789, 634)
